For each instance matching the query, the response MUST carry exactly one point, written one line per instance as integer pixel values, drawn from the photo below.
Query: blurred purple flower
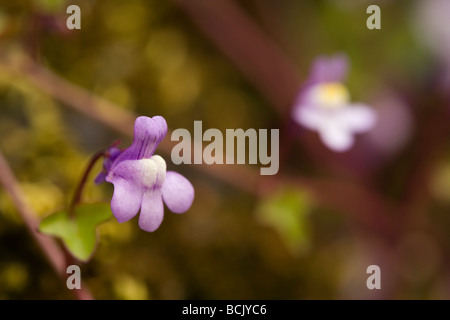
(324, 105)
(395, 124)
(140, 179)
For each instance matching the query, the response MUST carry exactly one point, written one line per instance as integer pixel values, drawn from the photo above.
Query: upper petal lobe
(148, 133)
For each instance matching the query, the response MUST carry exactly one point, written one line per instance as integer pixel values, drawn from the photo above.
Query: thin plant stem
(79, 190)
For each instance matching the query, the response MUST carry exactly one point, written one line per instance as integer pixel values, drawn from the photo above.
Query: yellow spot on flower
(332, 95)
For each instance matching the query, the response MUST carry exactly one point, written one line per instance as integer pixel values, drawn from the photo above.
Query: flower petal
(177, 192)
(110, 156)
(310, 117)
(358, 118)
(126, 199)
(148, 133)
(329, 69)
(161, 168)
(336, 137)
(141, 173)
(100, 178)
(152, 210)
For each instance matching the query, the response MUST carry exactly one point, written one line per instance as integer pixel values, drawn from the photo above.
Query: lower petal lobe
(152, 210)
(126, 199)
(177, 192)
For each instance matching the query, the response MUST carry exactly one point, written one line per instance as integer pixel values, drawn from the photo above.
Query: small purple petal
(126, 199)
(110, 156)
(333, 69)
(152, 210)
(148, 133)
(177, 192)
(358, 118)
(100, 178)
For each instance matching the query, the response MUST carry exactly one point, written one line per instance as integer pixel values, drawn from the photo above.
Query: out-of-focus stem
(243, 41)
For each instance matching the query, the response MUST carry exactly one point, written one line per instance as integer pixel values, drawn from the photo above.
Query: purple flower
(324, 105)
(141, 181)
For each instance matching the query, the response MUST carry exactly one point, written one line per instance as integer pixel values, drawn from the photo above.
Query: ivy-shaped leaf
(78, 232)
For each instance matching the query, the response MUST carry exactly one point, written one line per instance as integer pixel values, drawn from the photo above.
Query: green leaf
(78, 233)
(287, 212)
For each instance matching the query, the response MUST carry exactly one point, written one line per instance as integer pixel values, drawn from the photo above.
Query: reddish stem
(79, 190)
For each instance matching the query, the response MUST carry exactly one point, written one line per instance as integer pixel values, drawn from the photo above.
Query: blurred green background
(149, 57)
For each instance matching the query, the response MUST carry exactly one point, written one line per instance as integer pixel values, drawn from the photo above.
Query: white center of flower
(330, 95)
(152, 171)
